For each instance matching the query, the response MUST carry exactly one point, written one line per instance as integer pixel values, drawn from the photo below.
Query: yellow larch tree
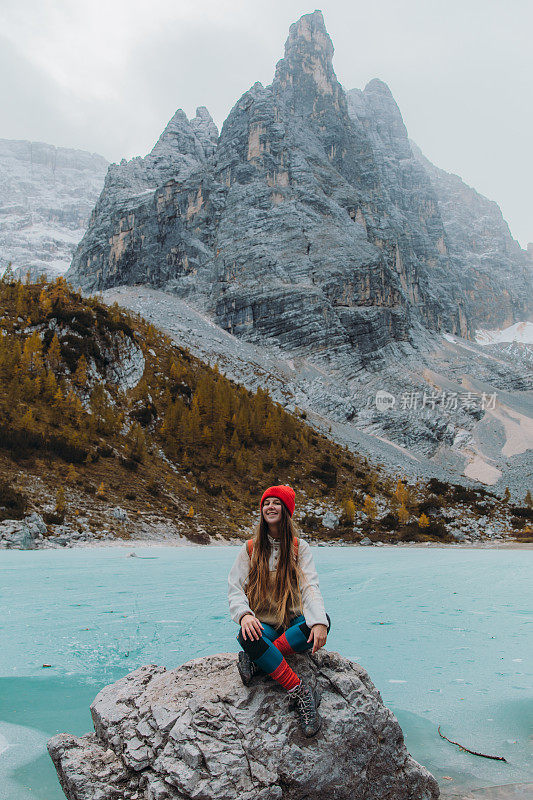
(370, 508)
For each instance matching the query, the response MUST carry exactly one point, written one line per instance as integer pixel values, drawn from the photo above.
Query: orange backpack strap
(250, 546)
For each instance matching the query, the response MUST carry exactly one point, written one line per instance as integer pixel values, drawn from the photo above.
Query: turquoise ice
(445, 634)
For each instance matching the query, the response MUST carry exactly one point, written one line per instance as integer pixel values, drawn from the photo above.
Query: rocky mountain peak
(311, 187)
(47, 194)
(376, 109)
(377, 86)
(306, 68)
(204, 127)
(309, 33)
(178, 137)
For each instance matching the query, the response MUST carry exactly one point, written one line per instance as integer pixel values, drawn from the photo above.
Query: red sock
(283, 646)
(285, 675)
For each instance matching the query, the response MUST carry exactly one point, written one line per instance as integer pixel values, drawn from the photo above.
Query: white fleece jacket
(313, 603)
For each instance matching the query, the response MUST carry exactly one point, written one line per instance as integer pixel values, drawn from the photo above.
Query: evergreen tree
(49, 386)
(136, 443)
(8, 278)
(58, 291)
(176, 372)
(106, 418)
(402, 514)
(348, 507)
(53, 354)
(72, 475)
(32, 355)
(272, 426)
(370, 508)
(45, 303)
(61, 505)
(207, 435)
(20, 302)
(194, 422)
(401, 493)
(27, 422)
(80, 376)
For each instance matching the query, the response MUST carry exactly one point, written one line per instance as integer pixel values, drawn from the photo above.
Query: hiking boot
(247, 668)
(306, 702)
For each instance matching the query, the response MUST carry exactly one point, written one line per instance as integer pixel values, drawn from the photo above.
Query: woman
(274, 596)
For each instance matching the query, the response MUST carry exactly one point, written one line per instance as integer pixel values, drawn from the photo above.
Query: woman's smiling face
(272, 510)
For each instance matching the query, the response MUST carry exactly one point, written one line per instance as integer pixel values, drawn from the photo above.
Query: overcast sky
(107, 75)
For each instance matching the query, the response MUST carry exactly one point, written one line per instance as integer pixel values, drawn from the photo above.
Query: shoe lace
(306, 704)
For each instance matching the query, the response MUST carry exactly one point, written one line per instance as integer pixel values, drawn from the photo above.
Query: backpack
(250, 546)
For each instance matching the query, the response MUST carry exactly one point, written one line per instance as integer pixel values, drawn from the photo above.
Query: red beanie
(283, 493)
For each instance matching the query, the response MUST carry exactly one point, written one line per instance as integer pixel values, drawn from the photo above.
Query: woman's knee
(254, 647)
(298, 635)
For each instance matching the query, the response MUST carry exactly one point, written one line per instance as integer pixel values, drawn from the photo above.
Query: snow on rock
(126, 364)
(420, 442)
(47, 194)
(519, 332)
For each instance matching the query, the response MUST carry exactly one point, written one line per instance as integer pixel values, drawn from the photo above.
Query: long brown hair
(289, 577)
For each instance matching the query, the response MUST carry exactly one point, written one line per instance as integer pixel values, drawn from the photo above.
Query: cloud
(107, 75)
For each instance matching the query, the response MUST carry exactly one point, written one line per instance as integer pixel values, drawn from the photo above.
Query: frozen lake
(445, 634)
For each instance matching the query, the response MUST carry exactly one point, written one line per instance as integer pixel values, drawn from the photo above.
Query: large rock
(22, 534)
(197, 732)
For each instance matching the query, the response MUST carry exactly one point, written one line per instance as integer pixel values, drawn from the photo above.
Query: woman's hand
(318, 635)
(250, 625)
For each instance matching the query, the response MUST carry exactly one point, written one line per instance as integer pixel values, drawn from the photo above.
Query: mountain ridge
(46, 197)
(304, 161)
(311, 227)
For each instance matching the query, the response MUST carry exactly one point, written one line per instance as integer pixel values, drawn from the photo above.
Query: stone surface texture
(47, 194)
(488, 263)
(197, 732)
(22, 534)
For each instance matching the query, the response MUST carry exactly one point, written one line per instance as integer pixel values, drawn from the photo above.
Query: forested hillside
(99, 410)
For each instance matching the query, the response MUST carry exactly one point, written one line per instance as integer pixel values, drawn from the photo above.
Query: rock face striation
(197, 732)
(310, 221)
(489, 264)
(47, 194)
(311, 229)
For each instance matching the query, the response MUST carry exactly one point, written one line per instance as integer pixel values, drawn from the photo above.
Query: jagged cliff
(310, 221)
(47, 194)
(495, 275)
(313, 228)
